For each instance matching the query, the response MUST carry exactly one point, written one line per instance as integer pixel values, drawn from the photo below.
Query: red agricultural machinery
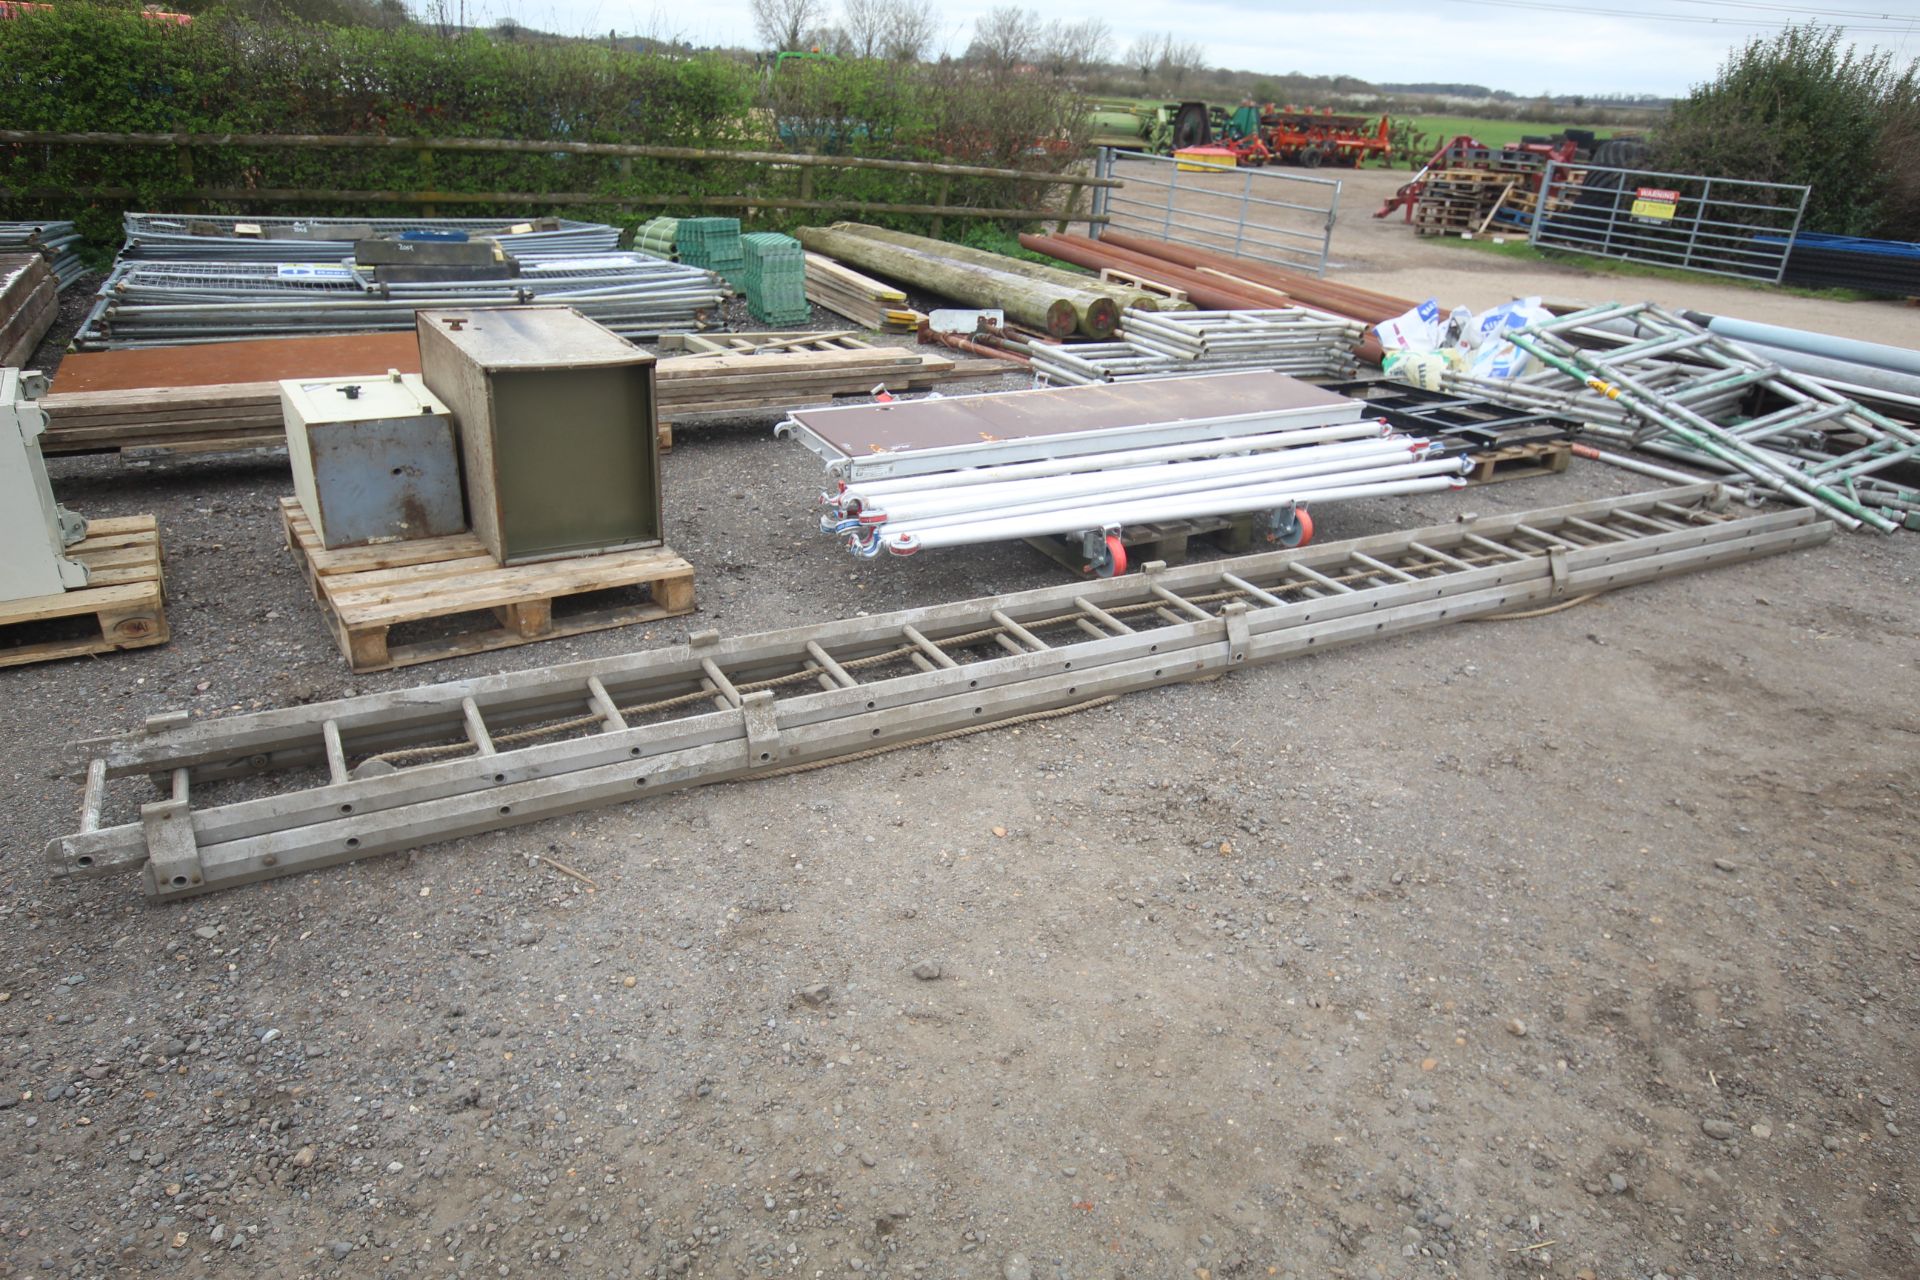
(1280, 135)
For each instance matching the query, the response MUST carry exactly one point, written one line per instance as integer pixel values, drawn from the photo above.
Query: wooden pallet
(125, 597)
(1166, 540)
(1519, 461)
(364, 592)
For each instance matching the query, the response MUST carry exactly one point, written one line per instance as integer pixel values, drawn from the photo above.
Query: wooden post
(1066, 215)
(183, 164)
(946, 194)
(428, 209)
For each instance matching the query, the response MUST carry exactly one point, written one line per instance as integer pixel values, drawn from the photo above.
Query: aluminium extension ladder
(331, 782)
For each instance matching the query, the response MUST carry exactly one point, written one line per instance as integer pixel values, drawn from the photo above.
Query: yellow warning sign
(1652, 202)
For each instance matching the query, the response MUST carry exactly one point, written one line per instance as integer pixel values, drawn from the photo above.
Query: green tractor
(1162, 129)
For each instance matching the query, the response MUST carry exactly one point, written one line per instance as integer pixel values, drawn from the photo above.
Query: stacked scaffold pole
(1646, 377)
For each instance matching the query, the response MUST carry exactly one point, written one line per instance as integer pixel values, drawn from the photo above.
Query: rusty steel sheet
(916, 437)
(209, 364)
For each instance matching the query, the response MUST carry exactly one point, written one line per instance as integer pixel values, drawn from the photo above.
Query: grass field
(1495, 133)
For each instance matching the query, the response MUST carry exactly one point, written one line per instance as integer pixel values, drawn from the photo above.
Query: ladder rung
(1025, 636)
(95, 796)
(1314, 575)
(336, 753)
(476, 727)
(1187, 607)
(720, 681)
(603, 705)
(1599, 530)
(1434, 553)
(1241, 584)
(1381, 566)
(1101, 616)
(827, 664)
(929, 648)
(1488, 544)
(1660, 526)
(1544, 538)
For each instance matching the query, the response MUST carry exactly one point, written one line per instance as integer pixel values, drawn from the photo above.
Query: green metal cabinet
(558, 429)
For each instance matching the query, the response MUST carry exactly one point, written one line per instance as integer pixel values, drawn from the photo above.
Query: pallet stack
(124, 599)
(1462, 201)
(775, 278)
(713, 244)
(860, 298)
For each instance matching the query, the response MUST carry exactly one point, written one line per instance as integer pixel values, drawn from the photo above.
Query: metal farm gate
(1724, 226)
(1285, 219)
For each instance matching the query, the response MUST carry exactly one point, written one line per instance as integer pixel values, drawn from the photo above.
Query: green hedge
(1807, 106)
(81, 67)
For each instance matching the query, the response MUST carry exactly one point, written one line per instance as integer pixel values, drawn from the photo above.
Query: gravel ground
(1577, 946)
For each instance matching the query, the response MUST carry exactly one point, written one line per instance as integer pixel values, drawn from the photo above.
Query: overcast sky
(1526, 46)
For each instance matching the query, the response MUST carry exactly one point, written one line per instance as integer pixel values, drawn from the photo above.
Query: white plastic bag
(1421, 329)
(1493, 355)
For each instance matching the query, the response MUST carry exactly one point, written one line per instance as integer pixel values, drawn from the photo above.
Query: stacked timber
(862, 299)
(29, 301)
(234, 415)
(247, 415)
(691, 385)
(1047, 305)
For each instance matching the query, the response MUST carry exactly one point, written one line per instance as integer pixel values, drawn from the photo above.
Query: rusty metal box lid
(538, 337)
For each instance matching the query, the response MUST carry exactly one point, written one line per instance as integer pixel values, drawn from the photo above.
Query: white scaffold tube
(1418, 477)
(1049, 492)
(865, 490)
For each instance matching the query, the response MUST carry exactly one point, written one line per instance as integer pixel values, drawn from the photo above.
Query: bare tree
(1067, 48)
(833, 40)
(908, 32)
(905, 29)
(1184, 58)
(782, 24)
(864, 22)
(1005, 38)
(1144, 55)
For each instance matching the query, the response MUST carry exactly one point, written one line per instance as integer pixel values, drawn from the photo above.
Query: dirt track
(1578, 946)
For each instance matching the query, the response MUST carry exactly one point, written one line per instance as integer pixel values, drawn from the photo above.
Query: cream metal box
(374, 459)
(557, 426)
(34, 529)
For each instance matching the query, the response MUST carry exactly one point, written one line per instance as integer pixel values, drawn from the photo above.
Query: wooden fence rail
(426, 148)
